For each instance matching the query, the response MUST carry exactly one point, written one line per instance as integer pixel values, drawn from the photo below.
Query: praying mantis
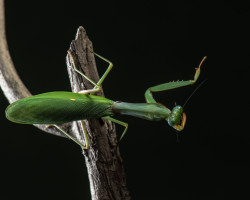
(59, 107)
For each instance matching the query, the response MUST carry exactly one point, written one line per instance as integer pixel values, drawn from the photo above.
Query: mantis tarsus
(60, 107)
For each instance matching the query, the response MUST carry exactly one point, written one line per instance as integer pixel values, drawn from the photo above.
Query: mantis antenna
(194, 92)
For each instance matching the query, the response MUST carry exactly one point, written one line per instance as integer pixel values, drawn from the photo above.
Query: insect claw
(91, 50)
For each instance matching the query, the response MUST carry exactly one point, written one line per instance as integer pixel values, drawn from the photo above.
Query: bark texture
(103, 160)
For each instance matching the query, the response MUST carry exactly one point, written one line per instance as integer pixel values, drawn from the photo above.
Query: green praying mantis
(55, 108)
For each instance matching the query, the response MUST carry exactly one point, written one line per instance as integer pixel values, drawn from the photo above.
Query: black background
(149, 43)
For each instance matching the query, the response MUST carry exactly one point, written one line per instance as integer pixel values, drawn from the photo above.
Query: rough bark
(103, 160)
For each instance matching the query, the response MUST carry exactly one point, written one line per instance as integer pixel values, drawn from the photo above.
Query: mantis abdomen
(58, 108)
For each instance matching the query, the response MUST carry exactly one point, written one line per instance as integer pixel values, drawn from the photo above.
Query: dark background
(149, 43)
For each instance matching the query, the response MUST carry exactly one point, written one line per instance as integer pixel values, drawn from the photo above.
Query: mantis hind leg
(97, 85)
(86, 146)
(171, 85)
(119, 122)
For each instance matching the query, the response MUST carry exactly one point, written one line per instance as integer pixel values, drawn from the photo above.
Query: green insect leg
(98, 84)
(85, 135)
(72, 138)
(79, 72)
(106, 72)
(171, 85)
(119, 122)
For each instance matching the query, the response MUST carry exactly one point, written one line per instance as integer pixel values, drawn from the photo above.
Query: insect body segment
(61, 107)
(148, 111)
(58, 108)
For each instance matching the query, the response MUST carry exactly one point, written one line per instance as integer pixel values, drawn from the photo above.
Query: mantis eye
(175, 117)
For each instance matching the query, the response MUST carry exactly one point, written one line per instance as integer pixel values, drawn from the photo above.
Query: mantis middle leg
(97, 86)
(171, 85)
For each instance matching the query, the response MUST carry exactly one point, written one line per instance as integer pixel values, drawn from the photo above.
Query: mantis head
(177, 118)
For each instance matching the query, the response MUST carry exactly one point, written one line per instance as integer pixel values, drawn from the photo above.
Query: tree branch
(103, 160)
(11, 84)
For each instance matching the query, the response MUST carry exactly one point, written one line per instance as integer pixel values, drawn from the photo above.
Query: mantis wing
(57, 108)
